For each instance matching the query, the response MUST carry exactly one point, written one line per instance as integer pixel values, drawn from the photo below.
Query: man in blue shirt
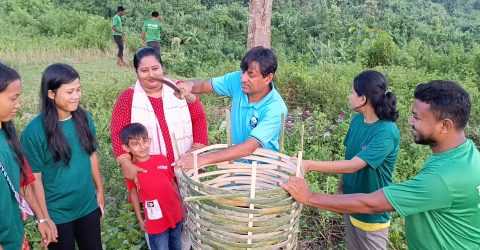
(257, 107)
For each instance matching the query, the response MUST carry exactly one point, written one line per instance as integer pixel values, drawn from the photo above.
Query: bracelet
(40, 221)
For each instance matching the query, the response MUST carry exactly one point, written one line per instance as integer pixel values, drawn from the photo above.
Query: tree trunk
(259, 24)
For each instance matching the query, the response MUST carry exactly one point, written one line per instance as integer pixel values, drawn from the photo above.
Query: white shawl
(177, 116)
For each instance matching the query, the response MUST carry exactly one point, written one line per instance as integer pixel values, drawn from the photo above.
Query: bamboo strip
(282, 134)
(229, 127)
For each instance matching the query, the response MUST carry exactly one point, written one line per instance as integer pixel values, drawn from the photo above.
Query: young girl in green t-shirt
(15, 174)
(371, 149)
(61, 147)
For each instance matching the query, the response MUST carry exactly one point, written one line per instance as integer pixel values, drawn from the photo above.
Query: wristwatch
(40, 221)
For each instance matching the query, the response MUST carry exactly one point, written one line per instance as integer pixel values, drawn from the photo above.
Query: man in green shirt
(118, 34)
(441, 204)
(151, 32)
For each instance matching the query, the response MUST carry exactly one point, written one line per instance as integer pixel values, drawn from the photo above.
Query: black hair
(266, 59)
(120, 8)
(7, 76)
(373, 85)
(52, 78)
(447, 99)
(144, 52)
(133, 131)
(155, 14)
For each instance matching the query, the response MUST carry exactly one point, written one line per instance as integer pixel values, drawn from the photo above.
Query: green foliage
(476, 63)
(382, 50)
(40, 19)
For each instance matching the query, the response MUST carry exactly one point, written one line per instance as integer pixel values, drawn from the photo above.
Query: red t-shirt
(158, 183)
(121, 117)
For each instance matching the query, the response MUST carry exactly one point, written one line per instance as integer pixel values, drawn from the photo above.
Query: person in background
(151, 32)
(119, 34)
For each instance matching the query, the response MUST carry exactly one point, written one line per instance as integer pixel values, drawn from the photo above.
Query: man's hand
(185, 94)
(298, 189)
(185, 162)
(185, 88)
(185, 85)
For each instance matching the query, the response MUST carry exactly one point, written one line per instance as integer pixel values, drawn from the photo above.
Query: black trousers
(85, 231)
(156, 46)
(119, 42)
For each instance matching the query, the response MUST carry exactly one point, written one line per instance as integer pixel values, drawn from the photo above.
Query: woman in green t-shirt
(371, 148)
(61, 147)
(15, 174)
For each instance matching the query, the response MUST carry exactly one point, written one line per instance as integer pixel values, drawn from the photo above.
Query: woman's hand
(48, 231)
(101, 202)
(129, 169)
(305, 164)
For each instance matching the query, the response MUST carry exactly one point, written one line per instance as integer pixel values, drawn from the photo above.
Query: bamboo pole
(282, 134)
(176, 151)
(229, 127)
(302, 136)
(195, 166)
(252, 196)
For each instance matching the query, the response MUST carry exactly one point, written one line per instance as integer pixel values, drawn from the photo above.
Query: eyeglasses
(135, 143)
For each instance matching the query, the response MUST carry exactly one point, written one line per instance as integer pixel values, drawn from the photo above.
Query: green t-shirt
(117, 25)
(377, 144)
(152, 30)
(11, 225)
(441, 204)
(69, 189)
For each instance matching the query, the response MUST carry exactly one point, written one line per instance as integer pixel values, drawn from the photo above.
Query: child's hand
(141, 223)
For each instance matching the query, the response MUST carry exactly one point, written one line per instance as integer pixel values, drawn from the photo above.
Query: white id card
(154, 212)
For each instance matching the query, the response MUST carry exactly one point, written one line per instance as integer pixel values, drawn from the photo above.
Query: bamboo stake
(176, 152)
(195, 166)
(302, 136)
(252, 196)
(229, 128)
(282, 134)
(299, 172)
(299, 164)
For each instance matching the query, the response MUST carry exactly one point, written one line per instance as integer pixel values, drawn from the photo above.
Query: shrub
(382, 50)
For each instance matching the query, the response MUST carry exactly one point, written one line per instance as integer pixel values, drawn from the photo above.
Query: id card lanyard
(24, 207)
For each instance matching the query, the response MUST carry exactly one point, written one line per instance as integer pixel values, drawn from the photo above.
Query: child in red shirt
(156, 190)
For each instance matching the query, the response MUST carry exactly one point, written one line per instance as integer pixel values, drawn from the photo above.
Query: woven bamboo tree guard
(240, 205)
